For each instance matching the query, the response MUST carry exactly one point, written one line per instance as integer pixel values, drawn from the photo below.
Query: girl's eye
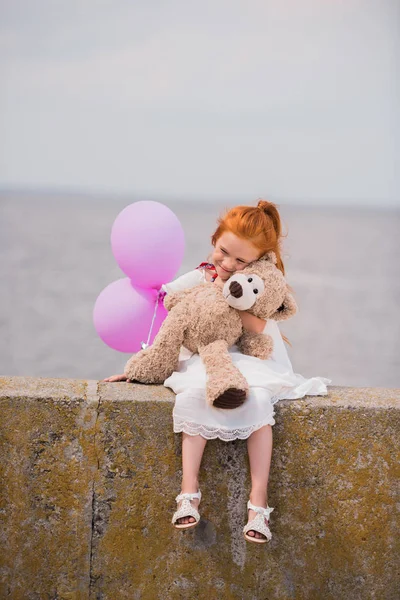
(224, 251)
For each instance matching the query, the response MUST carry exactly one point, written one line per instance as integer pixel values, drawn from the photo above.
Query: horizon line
(73, 191)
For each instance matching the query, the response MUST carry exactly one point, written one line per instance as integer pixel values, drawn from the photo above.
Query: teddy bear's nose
(236, 289)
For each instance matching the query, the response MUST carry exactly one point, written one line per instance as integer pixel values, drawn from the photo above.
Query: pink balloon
(123, 314)
(148, 243)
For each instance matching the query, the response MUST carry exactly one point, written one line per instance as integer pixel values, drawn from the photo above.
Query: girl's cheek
(217, 256)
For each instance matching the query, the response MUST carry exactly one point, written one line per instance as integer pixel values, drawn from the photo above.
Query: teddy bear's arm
(173, 299)
(156, 363)
(259, 345)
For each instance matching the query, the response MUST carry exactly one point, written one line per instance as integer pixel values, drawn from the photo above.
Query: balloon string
(145, 345)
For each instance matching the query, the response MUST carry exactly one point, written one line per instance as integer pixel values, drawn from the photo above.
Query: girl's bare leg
(192, 453)
(259, 447)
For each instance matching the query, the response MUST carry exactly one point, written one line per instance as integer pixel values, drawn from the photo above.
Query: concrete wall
(90, 472)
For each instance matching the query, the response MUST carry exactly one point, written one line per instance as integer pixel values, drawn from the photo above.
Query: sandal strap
(186, 510)
(188, 496)
(265, 512)
(258, 524)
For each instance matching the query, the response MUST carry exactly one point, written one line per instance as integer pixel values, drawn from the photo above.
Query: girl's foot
(195, 503)
(251, 532)
(259, 515)
(187, 515)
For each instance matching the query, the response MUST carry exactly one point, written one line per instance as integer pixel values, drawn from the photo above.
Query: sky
(293, 100)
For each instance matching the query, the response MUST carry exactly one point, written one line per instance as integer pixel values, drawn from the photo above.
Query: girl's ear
(287, 309)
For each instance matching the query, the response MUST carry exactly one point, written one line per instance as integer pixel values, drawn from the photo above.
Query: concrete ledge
(90, 472)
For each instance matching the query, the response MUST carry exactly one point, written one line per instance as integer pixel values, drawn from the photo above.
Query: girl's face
(231, 254)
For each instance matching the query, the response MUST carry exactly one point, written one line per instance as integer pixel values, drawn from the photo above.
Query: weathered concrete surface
(48, 467)
(333, 485)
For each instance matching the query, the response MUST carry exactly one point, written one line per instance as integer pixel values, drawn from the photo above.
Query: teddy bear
(205, 320)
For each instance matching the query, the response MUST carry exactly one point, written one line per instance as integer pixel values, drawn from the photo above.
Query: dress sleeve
(279, 353)
(184, 282)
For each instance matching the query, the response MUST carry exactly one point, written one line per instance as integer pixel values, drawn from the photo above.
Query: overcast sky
(289, 99)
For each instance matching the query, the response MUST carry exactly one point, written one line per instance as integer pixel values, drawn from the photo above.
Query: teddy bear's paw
(227, 389)
(143, 368)
(256, 344)
(231, 398)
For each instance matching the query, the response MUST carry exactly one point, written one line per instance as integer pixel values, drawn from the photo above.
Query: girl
(243, 235)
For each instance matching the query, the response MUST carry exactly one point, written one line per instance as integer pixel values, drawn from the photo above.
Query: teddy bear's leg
(260, 345)
(226, 386)
(156, 363)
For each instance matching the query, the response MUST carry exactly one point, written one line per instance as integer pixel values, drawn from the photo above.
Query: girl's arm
(188, 280)
(252, 323)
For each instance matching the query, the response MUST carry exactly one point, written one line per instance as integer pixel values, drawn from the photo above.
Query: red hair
(260, 225)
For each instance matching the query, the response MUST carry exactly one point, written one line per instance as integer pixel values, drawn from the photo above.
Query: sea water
(342, 263)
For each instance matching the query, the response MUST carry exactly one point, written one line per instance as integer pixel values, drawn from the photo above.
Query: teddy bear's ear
(270, 257)
(287, 309)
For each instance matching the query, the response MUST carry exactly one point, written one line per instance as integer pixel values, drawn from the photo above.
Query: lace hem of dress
(211, 433)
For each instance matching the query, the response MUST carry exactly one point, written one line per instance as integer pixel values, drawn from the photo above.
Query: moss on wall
(91, 473)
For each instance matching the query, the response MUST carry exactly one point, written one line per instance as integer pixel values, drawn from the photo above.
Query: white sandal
(258, 524)
(186, 510)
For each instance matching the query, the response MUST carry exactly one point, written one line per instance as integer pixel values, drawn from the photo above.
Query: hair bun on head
(263, 205)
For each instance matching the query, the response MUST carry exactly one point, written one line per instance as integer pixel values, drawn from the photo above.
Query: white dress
(269, 381)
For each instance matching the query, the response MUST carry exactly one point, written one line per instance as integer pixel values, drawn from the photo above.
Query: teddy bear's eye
(255, 291)
(250, 279)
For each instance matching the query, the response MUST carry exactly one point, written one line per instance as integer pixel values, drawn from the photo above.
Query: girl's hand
(121, 377)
